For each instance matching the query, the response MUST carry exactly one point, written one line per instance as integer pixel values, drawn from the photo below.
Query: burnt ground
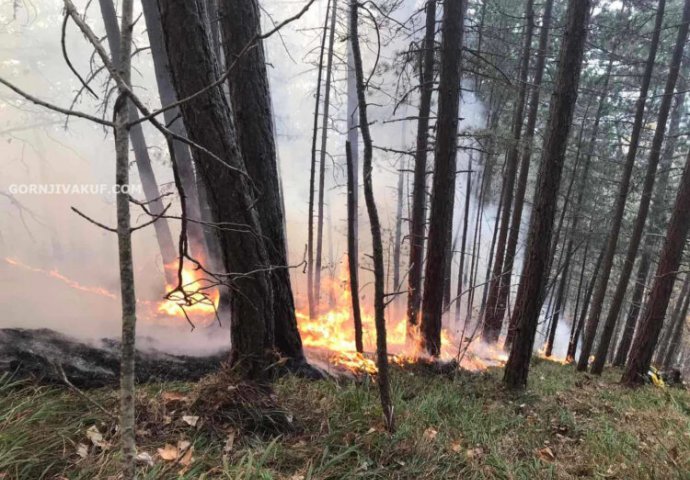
(40, 353)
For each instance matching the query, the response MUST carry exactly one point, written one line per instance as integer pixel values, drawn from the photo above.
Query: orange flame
(332, 330)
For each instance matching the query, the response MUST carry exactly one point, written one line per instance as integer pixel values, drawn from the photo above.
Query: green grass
(566, 425)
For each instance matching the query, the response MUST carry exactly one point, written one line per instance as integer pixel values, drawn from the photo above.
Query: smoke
(43, 231)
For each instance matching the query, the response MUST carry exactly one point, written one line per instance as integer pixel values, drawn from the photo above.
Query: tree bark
(122, 112)
(658, 219)
(377, 244)
(651, 322)
(251, 101)
(418, 220)
(197, 238)
(500, 282)
(230, 193)
(352, 248)
(677, 335)
(645, 201)
(528, 300)
(443, 190)
(619, 208)
(668, 333)
(521, 186)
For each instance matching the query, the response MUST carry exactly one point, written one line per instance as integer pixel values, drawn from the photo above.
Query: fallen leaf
(430, 434)
(474, 452)
(186, 459)
(229, 442)
(456, 447)
(168, 452)
(546, 454)
(173, 397)
(145, 457)
(82, 450)
(95, 436)
(190, 420)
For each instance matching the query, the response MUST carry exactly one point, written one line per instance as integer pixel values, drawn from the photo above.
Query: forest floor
(566, 425)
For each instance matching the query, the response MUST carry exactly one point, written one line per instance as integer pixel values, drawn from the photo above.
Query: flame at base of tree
(329, 335)
(332, 331)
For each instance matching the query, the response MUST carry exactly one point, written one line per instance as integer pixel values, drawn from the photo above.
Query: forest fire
(331, 334)
(199, 300)
(332, 331)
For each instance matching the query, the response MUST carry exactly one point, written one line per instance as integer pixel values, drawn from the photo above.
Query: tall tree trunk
(500, 283)
(521, 186)
(141, 153)
(619, 208)
(443, 190)
(353, 192)
(230, 193)
(128, 299)
(322, 157)
(668, 332)
(377, 244)
(645, 201)
(677, 336)
(652, 320)
(578, 298)
(251, 101)
(658, 218)
(398, 226)
(197, 238)
(575, 335)
(312, 175)
(463, 242)
(528, 300)
(352, 248)
(418, 220)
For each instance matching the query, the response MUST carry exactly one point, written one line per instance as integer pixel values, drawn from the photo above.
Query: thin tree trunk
(619, 208)
(528, 300)
(651, 322)
(251, 101)
(443, 190)
(418, 220)
(322, 157)
(312, 175)
(352, 248)
(124, 244)
(575, 336)
(141, 154)
(645, 201)
(398, 227)
(377, 245)
(463, 242)
(500, 282)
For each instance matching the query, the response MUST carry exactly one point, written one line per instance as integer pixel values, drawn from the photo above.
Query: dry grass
(565, 426)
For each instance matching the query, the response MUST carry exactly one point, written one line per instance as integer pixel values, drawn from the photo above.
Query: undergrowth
(566, 425)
